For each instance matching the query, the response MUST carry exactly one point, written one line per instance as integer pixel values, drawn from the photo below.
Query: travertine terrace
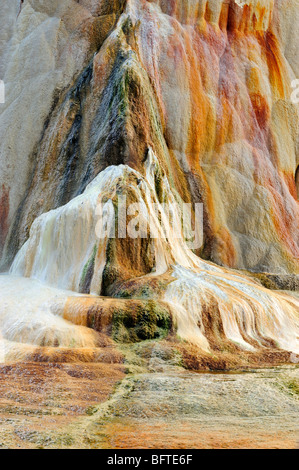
(179, 101)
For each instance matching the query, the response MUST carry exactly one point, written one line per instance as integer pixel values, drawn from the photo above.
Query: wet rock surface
(39, 400)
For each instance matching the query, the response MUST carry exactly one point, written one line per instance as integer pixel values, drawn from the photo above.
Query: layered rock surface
(206, 84)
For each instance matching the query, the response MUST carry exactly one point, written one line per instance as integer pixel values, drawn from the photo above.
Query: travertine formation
(160, 101)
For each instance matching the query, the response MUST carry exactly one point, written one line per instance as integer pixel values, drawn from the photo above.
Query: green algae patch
(146, 320)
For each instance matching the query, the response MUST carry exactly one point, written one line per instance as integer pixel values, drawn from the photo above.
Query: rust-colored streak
(227, 252)
(283, 223)
(208, 13)
(297, 183)
(223, 17)
(246, 19)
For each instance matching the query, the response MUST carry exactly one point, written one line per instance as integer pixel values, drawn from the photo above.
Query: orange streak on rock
(223, 19)
(4, 211)
(291, 183)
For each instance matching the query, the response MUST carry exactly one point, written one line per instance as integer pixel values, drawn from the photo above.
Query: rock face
(158, 101)
(206, 84)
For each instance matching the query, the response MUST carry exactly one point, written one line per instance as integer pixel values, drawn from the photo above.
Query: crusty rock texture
(206, 83)
(160, 101)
